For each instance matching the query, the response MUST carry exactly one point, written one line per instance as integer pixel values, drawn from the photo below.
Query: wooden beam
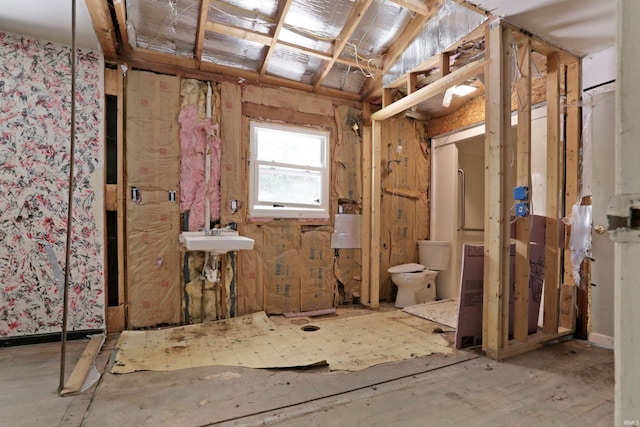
(412, 83)
(266, 40)
(103, 27)
(496, 222)
(358, 11)
(376, 199)
(202, 25)
(121, 16)
(571, 186)
(416, 6)
(387, 97)
(77, 377)
(367, 185)
(445, 61)
(460, 75)
(241, 33)
(281, 14)
(533, 342)
(429, 63)
(523, 168)
(554, 188)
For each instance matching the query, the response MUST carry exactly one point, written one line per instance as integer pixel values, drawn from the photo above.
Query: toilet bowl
(416, 284)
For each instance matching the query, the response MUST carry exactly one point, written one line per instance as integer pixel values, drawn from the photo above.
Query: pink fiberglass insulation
(195, 136)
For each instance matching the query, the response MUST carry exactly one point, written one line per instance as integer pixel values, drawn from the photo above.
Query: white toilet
(417, 282)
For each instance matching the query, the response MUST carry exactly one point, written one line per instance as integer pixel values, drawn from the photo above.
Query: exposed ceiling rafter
(356, 15)
(283, 8)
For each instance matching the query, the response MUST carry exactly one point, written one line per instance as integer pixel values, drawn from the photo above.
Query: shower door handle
(462, 193)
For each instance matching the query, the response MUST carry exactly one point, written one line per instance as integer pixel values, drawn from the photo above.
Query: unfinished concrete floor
(569, 383)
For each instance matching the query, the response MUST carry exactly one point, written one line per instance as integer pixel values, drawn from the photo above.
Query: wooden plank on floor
(79, 374)
(533, 342)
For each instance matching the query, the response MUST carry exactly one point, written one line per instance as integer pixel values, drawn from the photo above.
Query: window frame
(283, 209)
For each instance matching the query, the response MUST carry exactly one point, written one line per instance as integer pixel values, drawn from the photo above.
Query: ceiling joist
(356, 15)
(283, 8)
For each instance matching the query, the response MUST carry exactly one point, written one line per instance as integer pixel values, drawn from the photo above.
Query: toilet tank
(434, 254)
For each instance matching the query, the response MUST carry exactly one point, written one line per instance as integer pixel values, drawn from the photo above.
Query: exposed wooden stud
(103, 27)
(114, 201)
(470, 70)
(387, 97)
(523, 174)
(367, 185)
(445, 62)
(496, 222)
(111, 197)
(572, 190)
(374, 275)
(554, 188)
(281, 14)
(358, 11)
(202, 25)
(412, 83)
(121, 16)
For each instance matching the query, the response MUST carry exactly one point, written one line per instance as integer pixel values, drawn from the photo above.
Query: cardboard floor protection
(444, 312)
(350, 343)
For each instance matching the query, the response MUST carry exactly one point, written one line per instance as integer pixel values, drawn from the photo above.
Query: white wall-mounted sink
(228, 240)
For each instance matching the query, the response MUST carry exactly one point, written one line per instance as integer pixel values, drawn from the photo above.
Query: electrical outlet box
(522, 209)
(521, 193)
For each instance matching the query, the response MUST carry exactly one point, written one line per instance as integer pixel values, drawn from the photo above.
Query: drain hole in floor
(310, 328)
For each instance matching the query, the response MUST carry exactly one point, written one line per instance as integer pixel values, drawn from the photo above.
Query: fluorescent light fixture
(462, 90)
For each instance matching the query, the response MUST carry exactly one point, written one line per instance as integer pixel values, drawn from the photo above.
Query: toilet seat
(407, 268)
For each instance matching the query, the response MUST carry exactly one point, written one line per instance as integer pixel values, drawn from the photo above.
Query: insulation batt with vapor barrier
(195, 136)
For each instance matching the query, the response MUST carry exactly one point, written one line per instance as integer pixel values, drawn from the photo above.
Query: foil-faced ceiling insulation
(451, 23)
(167, 26)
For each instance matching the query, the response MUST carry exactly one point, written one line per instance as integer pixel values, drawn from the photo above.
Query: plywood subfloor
(255, 341)
(444, 312)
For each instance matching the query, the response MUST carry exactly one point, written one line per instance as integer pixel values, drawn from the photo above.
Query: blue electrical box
(522, 209)
(521, 193)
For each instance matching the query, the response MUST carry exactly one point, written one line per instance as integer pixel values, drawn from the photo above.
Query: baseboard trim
(601, 339)
(43, 338)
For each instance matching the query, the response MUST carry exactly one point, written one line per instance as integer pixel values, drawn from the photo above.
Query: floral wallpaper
(35, 104)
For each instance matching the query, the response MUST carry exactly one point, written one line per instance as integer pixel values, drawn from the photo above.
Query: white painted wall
(448, 154)
(598, 70)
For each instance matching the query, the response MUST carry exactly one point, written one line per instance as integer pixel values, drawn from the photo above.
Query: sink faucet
(213, 232)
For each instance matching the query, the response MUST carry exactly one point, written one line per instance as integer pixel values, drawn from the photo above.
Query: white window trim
(290, 211)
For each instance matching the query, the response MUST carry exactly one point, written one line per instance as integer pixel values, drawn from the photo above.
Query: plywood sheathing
(153, 223)
(404, 203)
(473, 112)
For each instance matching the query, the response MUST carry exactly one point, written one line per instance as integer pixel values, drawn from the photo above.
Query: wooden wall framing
(562, 182)
(114, 201)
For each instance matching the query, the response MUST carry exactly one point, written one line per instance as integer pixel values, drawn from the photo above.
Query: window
(289, 172)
